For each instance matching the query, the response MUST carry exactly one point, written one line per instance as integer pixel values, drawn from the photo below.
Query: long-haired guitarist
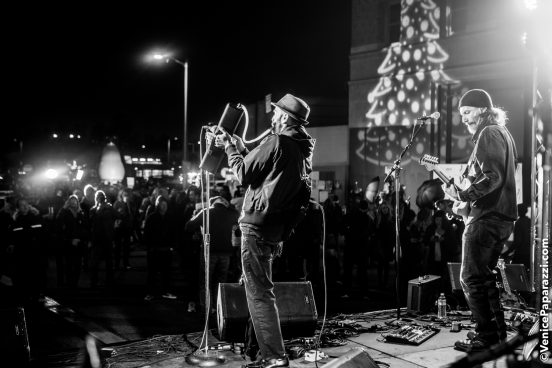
(492, 202)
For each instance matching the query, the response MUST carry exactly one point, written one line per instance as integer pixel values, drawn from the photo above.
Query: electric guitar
(430, 163)
(508, 298)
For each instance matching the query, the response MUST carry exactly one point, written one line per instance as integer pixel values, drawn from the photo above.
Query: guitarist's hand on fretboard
(451, 191)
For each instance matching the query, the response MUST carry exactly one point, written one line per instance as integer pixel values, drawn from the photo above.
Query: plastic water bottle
(442, 306)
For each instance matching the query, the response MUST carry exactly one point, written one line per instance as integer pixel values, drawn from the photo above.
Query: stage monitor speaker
(213, 157)
(356, 357)
(517, 277)
(422, 293)
(515, 273)
(14, 341)
(295, 302)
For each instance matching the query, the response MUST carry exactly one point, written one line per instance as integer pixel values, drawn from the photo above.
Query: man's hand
(223, 139)
(451, 191)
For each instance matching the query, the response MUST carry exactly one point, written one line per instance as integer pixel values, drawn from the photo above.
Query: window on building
(393, 22)
(472, 15)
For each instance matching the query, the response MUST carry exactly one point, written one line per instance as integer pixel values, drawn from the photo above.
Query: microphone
(434, 115)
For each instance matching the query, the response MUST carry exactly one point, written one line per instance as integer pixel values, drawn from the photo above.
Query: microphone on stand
(434, 115)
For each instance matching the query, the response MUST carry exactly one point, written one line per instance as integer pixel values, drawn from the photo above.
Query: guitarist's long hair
(495, 115)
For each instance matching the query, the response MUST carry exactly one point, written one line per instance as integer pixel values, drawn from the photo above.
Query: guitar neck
(445, 179)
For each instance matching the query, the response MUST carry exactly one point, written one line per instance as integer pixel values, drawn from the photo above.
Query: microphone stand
(205, 357)
(396, 169)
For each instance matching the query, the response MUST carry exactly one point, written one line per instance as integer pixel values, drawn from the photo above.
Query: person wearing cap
(491, 196)
(274, 174)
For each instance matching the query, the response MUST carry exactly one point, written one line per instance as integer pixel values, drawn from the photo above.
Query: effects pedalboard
(411, 334)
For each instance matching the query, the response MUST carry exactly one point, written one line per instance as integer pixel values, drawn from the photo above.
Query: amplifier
(422, 293)
(295, 302)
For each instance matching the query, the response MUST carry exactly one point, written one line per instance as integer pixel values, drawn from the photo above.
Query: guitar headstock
(429, 162)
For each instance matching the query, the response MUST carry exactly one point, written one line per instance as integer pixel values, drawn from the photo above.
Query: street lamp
(167, 58)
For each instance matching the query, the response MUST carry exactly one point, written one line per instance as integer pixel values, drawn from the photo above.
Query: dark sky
(80, 67)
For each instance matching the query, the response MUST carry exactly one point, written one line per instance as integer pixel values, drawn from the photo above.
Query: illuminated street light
(71, 136)
(54, 135)
(167, 58)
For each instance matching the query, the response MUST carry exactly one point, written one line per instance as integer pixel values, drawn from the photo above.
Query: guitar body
(458, 208)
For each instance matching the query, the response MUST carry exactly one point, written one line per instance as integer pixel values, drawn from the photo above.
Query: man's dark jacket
(273, 173)
(491, 170)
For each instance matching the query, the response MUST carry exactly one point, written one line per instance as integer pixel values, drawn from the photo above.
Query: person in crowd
(88, 201)
(456, 226)
(439, 240)
(371, 197)
(29, 253)
(160, 245)
(72, 235)
(304, 247)
(79, 193)
(223, 217)
(123, 228)
(102, 223)
(492, 201)
(6, 240)
(385, 228)
(333, 213)
(522, 237)
(275, 173)
(360, 229)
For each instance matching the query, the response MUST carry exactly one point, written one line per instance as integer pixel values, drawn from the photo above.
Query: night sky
(80, 68)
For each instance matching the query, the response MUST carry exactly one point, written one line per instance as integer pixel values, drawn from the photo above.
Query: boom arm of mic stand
(397, 163)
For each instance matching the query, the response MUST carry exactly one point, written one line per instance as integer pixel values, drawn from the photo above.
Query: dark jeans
(257, 257)
(482, 243)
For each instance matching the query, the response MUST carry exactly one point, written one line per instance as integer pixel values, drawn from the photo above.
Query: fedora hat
(294, 107)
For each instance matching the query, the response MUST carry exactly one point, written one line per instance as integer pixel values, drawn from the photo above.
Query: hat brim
(303, 121)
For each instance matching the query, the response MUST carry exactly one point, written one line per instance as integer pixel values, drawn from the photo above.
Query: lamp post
(184, 64)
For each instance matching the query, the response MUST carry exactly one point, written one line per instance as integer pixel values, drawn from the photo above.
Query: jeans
(257, 257)
(482, 244)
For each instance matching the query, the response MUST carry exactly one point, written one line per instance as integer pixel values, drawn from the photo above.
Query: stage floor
(437, 351)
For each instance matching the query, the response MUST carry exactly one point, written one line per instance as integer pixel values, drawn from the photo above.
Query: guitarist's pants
(482, 244)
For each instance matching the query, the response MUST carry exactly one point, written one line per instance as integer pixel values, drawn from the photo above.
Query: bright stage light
(51, 174)
(530, 4)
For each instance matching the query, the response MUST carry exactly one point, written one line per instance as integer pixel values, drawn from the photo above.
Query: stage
(363, 330)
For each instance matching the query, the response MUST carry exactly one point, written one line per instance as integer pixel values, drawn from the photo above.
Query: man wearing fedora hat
(491, 196)
(275, 174)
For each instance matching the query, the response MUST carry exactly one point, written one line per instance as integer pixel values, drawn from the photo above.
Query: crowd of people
(93, 230)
